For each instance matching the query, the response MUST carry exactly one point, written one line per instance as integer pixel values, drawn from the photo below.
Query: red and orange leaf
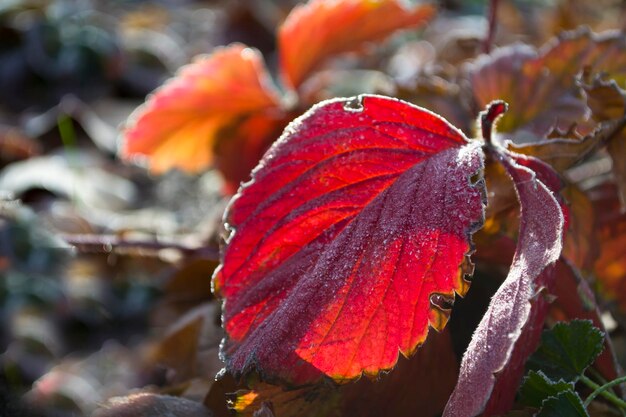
(179, 124)
(418, 386)
(240, 145)
(512, 317)
(350, 240)
(320, 29)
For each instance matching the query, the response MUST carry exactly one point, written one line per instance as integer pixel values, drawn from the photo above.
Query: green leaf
(565, 404)
(567, 350)
(537, 387)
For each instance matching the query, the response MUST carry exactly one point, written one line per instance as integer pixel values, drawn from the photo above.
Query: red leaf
(350, 240)
(320, 29)
(179, 124)
(539, 245)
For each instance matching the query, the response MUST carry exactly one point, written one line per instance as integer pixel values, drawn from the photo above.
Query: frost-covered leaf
(510, 310)
(537, 387)
(320, 29)
(181, 122)
(574, 299)
(567, 350)
(564, 404)
(349, 242)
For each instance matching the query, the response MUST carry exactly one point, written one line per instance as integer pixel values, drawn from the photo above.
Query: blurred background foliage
(104, 268)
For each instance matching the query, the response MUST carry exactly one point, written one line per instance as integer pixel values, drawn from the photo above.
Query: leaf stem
(491, 31)
(602, 390)
(488, 117)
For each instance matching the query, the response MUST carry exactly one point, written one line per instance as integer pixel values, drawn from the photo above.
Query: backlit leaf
(350, 240)
(181, 122)
(539, 245)
(419, 385)
(315, 31)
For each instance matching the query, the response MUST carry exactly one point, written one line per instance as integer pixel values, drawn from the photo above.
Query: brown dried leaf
(542, 83)
(608, 102)
(563, 153)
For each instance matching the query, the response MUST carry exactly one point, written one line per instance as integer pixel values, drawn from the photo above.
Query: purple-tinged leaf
(538, 246)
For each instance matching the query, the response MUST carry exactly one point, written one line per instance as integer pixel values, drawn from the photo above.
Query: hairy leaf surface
(320, 29)
(539, 245)
(350, 240)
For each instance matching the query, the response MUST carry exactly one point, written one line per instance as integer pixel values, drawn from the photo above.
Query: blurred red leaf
(351, 239)
(510, 315)
(180, 123)
(315, 31)
(240, 145)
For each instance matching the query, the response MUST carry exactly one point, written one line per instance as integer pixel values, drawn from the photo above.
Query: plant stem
(107, 243)
(602, 390)
(488, 118)
(491, 31)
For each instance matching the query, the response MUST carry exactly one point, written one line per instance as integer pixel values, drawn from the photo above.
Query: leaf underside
(350, 240)
(510, 312)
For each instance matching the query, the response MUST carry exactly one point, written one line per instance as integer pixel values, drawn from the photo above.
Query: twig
(601, 390)
(491, 31)
(109, 243)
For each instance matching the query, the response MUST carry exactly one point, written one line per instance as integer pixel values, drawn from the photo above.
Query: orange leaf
(179, 124)
(610, 226)
(319, 29)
